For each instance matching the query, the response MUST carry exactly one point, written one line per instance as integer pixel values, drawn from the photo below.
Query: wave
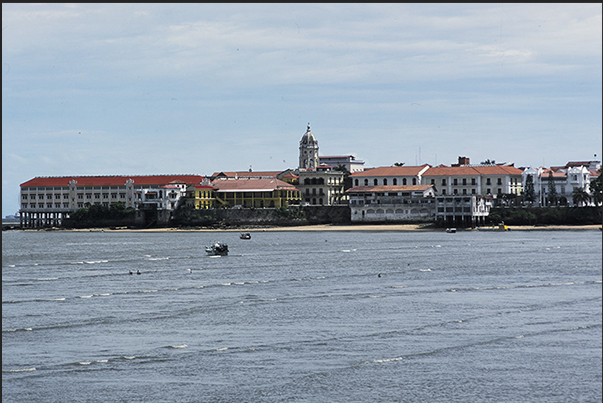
(178, 346)
(382, 360)
(19, 370)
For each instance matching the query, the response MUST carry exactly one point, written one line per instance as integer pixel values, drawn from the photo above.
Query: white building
(390, 176)
(462, 210)
(308, 151)
(349, 162)
(46, 201)
(323, 186)
(392, 203)
(565, 180)
(157, 205)
(484, 180)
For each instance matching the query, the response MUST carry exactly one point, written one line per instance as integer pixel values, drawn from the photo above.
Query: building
(322, 186)
(200, 197)
(308, 151)
(251, 174)
(462, 210)
(390, 176)
(157, 205)
(393, 203)
(349, 162)
(46, 201)
(254, 193)
(565, 180)
(465, 179)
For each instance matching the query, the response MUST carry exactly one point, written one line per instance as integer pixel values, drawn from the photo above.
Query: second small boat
(217, 249)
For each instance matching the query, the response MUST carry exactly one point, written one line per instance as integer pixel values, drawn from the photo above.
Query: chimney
(463, 161)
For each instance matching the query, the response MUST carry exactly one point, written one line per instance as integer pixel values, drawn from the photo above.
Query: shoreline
(328, 227)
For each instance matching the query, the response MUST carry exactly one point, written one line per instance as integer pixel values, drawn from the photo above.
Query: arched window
(355, 182)
(384, 181)
(375, 181)
(366, 182)
(414, 181)
(404, 181)
(395, 181)
(307, 181)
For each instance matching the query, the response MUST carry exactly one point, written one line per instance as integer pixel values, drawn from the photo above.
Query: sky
(157, 88)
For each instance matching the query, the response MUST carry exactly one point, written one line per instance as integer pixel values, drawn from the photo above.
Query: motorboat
(245, 235)
(451, 230)
(217, 249)
(499, 227)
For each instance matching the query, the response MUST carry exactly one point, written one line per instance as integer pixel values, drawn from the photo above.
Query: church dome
(308, 137)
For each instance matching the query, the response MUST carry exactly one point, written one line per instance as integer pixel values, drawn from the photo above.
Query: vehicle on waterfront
(217, 249)
(499, 227)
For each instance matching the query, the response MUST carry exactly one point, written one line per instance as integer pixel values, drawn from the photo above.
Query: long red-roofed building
(48, 200)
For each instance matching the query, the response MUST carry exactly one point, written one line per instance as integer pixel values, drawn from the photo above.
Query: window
(464, 181)
(366, 182)
(488, 182)
(473, 181)
(455, 182)
(355, 182)
(375, 182)
(499, 181)
(395, 181)
(384, 181)
(414, 181)
(404, 181)
(443, 182)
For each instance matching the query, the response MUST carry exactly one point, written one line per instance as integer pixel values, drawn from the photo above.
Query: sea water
(311, 316)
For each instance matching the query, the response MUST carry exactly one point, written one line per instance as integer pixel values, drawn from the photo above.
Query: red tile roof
(408, 188)
(247, 174)
(473, 170)
(147, 180)
(391, 171)
(252, 184)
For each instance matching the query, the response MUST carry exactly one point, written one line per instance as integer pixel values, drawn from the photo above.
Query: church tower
(308, 151)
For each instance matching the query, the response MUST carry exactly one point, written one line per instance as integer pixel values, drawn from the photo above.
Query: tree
(580, 197)
(552, 190)
(528, 191)
(596, 189)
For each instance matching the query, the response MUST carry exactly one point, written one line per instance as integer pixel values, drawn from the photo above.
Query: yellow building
(200, 197)
(253, 192)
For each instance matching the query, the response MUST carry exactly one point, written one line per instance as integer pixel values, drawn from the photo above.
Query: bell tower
(308, 151)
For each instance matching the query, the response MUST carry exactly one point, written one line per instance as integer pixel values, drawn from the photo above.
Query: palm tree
(596, 188)
(580, 197)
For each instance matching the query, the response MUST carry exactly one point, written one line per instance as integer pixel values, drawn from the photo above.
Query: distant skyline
(158, 88)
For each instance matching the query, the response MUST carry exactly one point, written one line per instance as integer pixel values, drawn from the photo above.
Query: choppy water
(302, 317)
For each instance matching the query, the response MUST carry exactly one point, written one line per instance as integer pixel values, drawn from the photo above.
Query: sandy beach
(329, 227)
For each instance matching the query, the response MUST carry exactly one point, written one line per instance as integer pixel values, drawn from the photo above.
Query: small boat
(217, 249)
(245, 235)
(451, 230)
(499, 227)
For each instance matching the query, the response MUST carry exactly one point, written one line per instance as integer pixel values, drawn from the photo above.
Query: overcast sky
(136, 89)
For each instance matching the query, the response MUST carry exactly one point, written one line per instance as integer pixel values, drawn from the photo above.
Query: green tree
(580, 197)
(528, 191)
(596, 188)
(552, 196)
